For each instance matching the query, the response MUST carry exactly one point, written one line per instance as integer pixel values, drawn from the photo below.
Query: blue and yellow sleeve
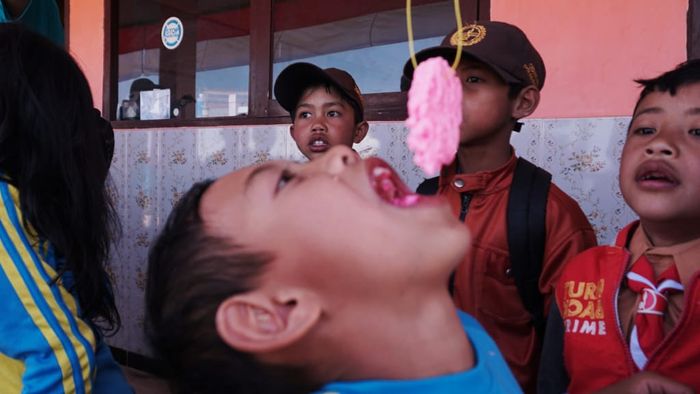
(44, 346)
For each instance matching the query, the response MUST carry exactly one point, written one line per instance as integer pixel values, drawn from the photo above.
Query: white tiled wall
(152, 168)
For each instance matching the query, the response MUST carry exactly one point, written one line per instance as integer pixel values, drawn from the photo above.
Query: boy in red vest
(629, 313)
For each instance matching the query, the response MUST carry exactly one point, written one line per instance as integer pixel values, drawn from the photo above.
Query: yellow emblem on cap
(532, 74)
(471, 34)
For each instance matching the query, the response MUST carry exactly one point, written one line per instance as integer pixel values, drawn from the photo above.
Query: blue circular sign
(172, 32)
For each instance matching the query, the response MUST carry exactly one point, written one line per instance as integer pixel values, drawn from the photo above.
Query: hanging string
(409, 28)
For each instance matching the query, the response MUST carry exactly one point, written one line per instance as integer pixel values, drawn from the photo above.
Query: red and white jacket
(596, 354)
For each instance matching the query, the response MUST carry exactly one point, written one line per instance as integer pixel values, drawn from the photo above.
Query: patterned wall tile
(140, 225)
(263, 143)
(388, 141)
(215, 152)
(152, 168)
(177, 169)
(117, 269)
(292, 151)
(583, 156)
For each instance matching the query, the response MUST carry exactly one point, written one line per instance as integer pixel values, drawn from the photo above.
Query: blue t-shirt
(42, 16)
(490, 373)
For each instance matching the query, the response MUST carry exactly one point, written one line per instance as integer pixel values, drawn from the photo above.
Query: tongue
(388, 191)
(406, 201)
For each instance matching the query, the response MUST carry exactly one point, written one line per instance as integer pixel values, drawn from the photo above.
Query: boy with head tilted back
(289, 278)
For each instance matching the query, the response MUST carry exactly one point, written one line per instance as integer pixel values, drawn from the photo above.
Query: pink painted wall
(594, 49)
(86, 42)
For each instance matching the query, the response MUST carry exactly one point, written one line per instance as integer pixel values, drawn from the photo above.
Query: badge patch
(471, 34)
(532, 73)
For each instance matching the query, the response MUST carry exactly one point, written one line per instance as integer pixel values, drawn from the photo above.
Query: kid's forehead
(658, 97)
(692, 87)
(330, 89)
(226, 190)
(471, 63)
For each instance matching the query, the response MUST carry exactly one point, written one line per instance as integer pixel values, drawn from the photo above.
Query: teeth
(653, 176)
(387, 185)
(379, 171)
(318, 142)
(386, 188)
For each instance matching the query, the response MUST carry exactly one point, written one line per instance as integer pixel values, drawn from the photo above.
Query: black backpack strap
(525, 220)
(429, 186)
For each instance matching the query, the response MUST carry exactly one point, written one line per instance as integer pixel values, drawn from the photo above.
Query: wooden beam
(110, 60)
(260, 58)
(693, 28)
(483, 9)
(178, 67)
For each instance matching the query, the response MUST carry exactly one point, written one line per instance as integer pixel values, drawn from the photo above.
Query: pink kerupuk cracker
(434, 114)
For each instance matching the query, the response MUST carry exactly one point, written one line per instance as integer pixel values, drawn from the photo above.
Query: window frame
(262, 108)
(693, 30)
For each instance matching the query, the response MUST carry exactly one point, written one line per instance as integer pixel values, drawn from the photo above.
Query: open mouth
(388, 185)
(318, 144)
(657, 175)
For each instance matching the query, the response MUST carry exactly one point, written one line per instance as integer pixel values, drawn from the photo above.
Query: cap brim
(449, 53)
(294, 79)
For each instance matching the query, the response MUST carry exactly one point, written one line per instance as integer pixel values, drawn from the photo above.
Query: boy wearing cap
(325, 106)
(502, 75)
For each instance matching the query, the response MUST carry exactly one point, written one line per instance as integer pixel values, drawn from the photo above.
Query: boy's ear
(291, 130)
(255, 322)
(526, 102)
(360, 131)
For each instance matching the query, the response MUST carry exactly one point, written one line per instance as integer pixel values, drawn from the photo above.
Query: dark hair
(190, 273)
(52, 148)
(106, 132)
(684, 74)
(331, 89)
(514, 90)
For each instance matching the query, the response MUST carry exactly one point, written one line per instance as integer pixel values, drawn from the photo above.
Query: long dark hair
(54, 150)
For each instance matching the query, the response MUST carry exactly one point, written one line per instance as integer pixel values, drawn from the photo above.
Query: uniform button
(458, 183)
(509, 271)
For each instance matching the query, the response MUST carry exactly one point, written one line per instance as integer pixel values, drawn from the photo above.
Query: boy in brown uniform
(502, 75)
(325, 105)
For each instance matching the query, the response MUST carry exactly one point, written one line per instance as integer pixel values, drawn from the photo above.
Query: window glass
(206, 72)
(368, 39)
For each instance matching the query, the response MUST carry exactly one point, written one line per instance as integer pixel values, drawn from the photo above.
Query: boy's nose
(319, 127)
(337, 159)
(661, 146)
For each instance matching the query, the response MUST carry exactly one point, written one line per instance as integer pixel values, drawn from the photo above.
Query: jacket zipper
(632, 367)
(466, 199)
